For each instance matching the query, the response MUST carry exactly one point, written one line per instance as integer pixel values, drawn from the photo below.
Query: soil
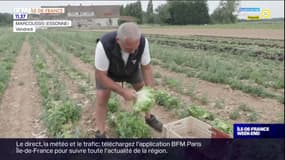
(162, 114)
(87, 122)
(269, 110)
(241, 33)
(232, 99)
(20, 110)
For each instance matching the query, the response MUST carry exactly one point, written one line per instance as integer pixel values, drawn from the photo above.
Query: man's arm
(147, 74)
(110, 84)
(146, 65)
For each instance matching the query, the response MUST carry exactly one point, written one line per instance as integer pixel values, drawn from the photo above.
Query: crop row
(222, 69)
(75, 46)
(182, 109)
(175, 84)
(267, 53)
(61, 55)
(125, 125)
(241, 72)
(9, 49)
(226, 40)
(60, 113)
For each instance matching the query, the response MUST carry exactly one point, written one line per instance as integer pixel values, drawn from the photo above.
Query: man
(121, 56)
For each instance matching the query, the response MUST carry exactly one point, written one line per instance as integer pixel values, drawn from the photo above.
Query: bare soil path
(277, 34)
(20, 110)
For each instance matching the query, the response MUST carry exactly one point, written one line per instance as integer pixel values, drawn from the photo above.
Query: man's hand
(129, 94)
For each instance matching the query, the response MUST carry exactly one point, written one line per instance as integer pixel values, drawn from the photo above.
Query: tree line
(182, 12)
(173, 12)
(6, 19)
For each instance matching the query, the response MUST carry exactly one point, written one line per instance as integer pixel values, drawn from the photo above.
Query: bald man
(121, 56)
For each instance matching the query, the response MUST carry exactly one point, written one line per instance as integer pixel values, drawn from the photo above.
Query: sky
(276, 7)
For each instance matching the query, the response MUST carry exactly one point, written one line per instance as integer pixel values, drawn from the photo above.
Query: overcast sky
(276, 7)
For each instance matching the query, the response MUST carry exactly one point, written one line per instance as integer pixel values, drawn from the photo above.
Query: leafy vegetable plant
(145, 100)
(129, 125)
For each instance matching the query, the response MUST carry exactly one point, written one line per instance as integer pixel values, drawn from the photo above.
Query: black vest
(118, 71)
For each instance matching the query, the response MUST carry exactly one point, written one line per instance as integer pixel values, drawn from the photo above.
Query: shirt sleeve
(145, 60)
(101, 59)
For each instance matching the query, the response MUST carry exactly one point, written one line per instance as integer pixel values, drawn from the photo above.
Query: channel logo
(39, 10)
(254, 13)
(265, 13)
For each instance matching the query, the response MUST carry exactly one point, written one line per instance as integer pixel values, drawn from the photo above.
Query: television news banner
(246, 137)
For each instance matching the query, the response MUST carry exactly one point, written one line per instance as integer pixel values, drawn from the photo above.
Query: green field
(278, 24)
(216, 79)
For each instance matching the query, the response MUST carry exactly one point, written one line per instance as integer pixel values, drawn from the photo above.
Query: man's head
(128, 37)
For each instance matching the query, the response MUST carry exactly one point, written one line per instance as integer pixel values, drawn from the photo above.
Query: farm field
(255, 30)
(215, 32)
(47, 82)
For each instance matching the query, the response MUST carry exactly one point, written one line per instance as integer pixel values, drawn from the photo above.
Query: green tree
(139, 13)
(178, 12)
(224, 13)
(188, 12)
(6, 19)
(200, 12)
(149, 13)
(135, 10)
(163, 15)
(122, 12)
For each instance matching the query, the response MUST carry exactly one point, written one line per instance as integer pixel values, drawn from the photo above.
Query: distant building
(87, 16)
(127, 19)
